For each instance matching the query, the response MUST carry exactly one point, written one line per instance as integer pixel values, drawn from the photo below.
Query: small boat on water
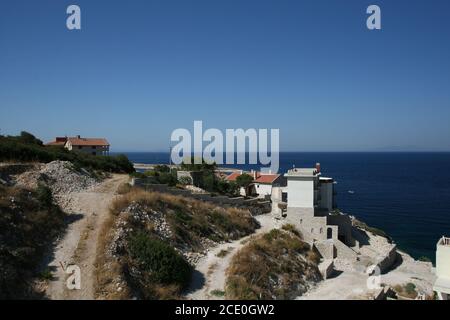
(351, 191)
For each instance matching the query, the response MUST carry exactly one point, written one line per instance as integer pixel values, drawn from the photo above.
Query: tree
(27, 137)
(244, 180)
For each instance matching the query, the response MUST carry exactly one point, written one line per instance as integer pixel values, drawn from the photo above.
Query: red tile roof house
(94, 146)
(262, 183)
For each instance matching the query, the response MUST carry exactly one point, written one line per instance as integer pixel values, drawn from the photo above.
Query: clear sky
(139, 69)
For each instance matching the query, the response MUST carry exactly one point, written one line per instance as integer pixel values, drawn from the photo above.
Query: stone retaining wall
(256, 206)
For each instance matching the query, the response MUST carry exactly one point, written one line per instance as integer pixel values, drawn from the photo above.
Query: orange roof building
(262, 182)
(94, 146)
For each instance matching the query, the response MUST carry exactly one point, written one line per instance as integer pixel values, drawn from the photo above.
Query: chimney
(78, 136)
(318, 167)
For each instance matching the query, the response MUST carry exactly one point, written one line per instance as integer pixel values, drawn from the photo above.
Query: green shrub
(161, 263)
(218, 293)
(46, 274)
(410, 288)
(424, 259)
(27, 228)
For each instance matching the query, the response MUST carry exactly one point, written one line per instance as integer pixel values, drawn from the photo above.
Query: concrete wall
(326, 268)
(300, 192)
(385, 263)
(263, 190)
(326, 195)
(343, 251)
(326, 249)
(313, 228)
(344, 224)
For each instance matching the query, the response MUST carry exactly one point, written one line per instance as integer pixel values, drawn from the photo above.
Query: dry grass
(107, 268)
(223, 253)
(291, 228)
(124, 188)
(272, 266)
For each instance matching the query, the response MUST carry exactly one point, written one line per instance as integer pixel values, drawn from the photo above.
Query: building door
(329, 233)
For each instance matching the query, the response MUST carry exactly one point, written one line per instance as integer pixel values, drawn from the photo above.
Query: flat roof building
(442, 284)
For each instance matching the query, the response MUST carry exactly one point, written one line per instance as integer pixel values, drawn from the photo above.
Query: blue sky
(139, 69)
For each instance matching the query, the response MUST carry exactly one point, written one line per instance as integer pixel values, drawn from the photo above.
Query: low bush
(408, 290)
(424, 259)
(158, 264)
(124, 188)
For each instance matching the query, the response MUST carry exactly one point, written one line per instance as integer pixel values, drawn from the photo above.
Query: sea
(405, 194)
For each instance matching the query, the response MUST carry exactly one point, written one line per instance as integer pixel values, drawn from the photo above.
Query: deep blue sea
(405, 194)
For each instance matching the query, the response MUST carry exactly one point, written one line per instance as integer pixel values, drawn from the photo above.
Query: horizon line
(319, 151)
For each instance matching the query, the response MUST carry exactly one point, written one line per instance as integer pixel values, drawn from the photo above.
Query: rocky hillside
(29, 222)
(31, 219)
(181, 229)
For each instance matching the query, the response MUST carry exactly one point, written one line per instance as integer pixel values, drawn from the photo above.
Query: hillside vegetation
(159, 236)
(27, 148)
(276, 265)
(29, 222)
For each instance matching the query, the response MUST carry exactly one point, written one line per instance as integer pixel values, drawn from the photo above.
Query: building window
(79, 147)
(94, 147)
(301, 221)
(321, 230)
(312, 230)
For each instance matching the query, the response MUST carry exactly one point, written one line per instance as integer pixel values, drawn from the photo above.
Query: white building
(310, 207)
(307, 189)
(442, 284)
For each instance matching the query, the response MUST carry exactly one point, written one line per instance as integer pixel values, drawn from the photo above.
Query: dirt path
(89, 210)
(210, 271)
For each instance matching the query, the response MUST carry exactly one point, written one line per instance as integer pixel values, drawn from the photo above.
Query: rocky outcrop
(60, 176)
